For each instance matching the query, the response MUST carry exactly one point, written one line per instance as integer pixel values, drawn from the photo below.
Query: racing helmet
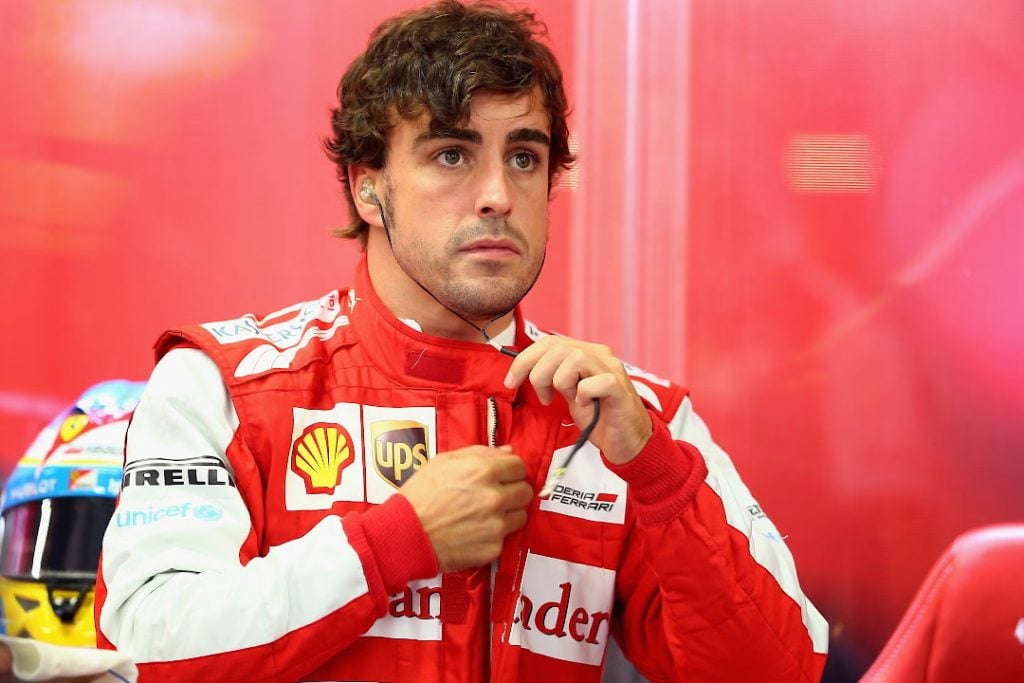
(54, 511)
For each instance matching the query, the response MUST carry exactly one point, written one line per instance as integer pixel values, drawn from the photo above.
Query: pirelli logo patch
(203, 470)
(589, 490)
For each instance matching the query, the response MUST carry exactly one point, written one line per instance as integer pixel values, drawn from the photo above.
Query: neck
(407, 299)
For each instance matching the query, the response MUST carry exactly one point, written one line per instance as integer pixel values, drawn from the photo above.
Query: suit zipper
(492, 441)
(492, 422)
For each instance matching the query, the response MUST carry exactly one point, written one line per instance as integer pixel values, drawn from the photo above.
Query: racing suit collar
(416, 359)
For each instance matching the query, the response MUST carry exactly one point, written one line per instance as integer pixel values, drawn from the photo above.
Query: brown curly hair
(434, 59)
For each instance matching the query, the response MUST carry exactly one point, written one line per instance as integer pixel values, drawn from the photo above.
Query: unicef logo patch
(208, 513)
(138, 517)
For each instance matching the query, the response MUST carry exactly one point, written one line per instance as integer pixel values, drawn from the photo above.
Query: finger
(515, 520)
(601, 386)
(474, 451)
(527, 358)
(516, 495)
(576, 367)
(508, 468)
(543, 372)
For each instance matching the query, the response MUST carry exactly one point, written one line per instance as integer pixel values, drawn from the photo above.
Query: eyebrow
(469, 135)
(447, 133)
(528, 135)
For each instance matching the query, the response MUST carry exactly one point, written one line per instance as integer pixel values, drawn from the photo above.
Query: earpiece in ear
(366, 191)
(368, 194)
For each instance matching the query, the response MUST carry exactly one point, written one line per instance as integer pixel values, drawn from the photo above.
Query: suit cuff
(398, 544)
(664, 477)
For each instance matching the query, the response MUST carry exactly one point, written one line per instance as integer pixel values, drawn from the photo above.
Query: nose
(494, 195)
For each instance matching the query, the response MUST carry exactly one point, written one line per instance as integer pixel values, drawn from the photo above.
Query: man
(347, 489)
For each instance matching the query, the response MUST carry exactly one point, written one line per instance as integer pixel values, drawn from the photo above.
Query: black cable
(556, 474)
(481, 330)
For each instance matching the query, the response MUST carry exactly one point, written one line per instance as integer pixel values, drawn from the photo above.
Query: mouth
(491, 247)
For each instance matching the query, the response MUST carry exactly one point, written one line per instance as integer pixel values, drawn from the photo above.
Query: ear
(358, 178)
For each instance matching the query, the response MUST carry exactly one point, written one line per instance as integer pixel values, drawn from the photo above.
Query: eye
(524, 161)
(450, 157)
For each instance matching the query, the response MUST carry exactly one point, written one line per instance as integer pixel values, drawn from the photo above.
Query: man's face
(467, 208)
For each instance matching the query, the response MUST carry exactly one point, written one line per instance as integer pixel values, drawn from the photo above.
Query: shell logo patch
(320, 454)
(400, 447)
(324, 461)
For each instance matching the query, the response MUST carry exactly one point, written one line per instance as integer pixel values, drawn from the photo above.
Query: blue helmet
(54, 511)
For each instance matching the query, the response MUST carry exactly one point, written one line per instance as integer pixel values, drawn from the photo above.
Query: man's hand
(468, 501)
(582, 372)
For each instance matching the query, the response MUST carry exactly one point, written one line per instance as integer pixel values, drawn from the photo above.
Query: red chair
(966, 623)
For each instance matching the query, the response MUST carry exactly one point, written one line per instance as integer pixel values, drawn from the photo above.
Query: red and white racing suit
(258, 538)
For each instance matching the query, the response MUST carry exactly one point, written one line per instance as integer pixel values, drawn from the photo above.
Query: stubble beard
(493, 292)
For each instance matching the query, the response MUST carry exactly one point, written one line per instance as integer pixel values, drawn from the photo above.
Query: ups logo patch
(400, 447)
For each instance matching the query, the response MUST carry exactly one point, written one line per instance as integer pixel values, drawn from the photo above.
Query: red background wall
(809, 212)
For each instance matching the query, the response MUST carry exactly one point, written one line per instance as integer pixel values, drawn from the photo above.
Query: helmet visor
(54, 538)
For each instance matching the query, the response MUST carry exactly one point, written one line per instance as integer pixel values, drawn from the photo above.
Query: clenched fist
(468, 501)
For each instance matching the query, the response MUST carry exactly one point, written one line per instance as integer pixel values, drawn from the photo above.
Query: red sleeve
(697, 599)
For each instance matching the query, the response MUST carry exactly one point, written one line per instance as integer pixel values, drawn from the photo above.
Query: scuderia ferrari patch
(325, 460)
(589, 490)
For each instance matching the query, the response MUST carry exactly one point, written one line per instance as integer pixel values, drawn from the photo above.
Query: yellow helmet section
(30, 610)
